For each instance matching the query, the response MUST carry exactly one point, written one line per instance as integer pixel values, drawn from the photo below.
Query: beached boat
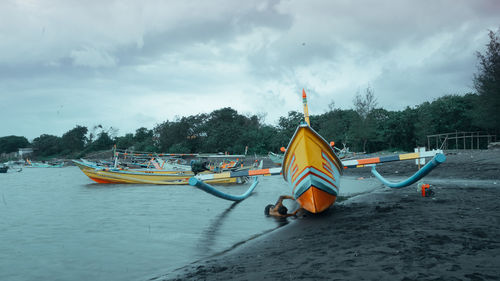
(312, 169)
(276, 158)
(145, 176)
(4, 169)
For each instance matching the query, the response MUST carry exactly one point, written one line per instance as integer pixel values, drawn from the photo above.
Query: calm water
(56, 224)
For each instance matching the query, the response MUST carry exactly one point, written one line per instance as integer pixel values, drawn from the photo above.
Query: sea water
(56, 224)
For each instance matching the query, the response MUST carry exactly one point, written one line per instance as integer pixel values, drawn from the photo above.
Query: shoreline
(387, 234)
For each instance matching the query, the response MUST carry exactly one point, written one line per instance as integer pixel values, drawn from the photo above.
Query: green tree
(487, 83)
(125, 142)
(103, 142)
(380, 138)
(185, 132)
(143, 140)
(47, 145)
(446, 114)
(363, 129)
(228, 131)
(400, 128)
(287, 125)
(266, 139)
(74, 140)
(143, 134)
(335, 125)
(10, 144)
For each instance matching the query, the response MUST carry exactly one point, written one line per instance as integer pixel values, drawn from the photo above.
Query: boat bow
(312, 169)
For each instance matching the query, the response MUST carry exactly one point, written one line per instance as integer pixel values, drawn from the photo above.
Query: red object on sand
(424, 187)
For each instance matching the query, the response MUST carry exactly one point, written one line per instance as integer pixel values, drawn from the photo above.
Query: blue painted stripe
(389, 158)
(290, 165)
(316, 182)
(338, 166)
(318, 172)
(314, 179)
(331, 165)
(329, 180)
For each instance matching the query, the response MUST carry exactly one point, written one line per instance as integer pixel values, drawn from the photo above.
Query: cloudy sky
(130, 64)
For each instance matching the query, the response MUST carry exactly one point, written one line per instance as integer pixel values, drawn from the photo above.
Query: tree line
(367, 127)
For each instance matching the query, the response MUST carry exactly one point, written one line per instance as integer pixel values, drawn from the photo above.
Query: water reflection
(281, 221)
(94, 185)
(208, 237)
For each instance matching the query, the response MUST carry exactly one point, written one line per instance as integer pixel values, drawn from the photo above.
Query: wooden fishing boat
(141, 176)
(4, 169)
(30, 164)
(276, 158)
(312, 169)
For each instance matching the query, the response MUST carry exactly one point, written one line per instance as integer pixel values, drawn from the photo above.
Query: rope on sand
(436, 160)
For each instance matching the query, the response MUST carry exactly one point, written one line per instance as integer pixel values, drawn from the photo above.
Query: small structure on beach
(25, 152)
(460, 140)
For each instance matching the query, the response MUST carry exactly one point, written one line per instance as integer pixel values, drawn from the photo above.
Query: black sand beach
(390, 234)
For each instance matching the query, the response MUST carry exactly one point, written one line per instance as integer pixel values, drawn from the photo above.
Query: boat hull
(105, 175)
(276, 158)
(312, 169)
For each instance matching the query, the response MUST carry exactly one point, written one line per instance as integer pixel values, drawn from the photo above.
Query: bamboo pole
(306, 110)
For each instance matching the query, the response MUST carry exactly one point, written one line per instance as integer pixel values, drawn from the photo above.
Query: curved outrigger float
(313, 170)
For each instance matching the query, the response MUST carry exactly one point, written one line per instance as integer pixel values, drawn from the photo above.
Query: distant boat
(4, 169)
(276, 158)
(30, 164)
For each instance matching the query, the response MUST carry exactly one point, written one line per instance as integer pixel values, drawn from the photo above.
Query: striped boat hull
(312, 169)
(104, 175)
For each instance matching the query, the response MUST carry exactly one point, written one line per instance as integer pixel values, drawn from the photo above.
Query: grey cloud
(408, 51)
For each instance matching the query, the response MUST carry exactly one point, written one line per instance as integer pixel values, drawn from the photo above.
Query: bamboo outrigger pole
(306, 110)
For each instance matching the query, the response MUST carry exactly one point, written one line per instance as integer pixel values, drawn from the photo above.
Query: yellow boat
(312, 169)
(142, 176)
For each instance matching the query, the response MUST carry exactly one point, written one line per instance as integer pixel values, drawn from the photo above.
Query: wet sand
(390, 234)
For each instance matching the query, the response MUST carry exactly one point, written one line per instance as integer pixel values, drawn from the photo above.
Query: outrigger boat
(276, 158)
(102, 174)
(4, 169)
(30, 164)
(173, 161)
(313, 170)
(151, 168)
